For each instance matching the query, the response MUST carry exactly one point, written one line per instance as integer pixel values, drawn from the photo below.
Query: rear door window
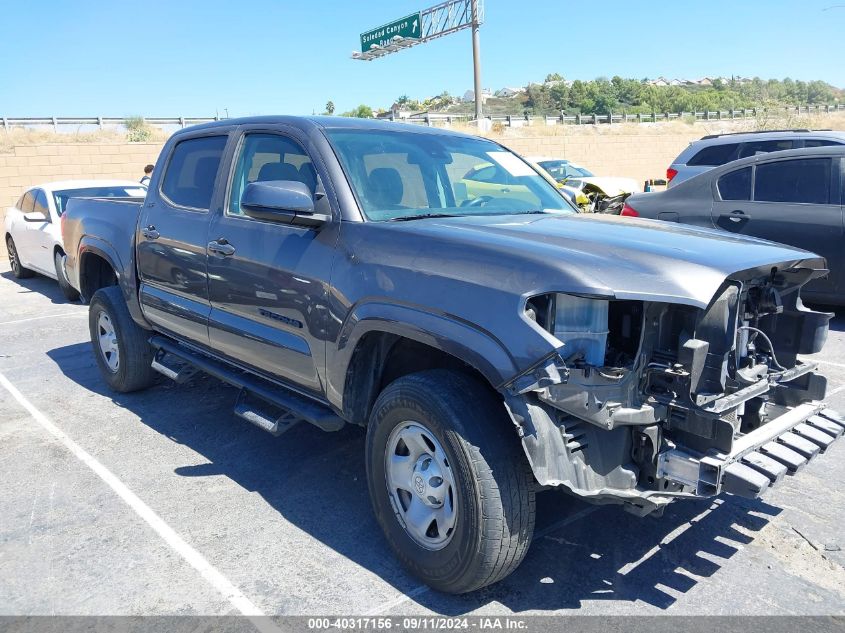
(736, 185)
(27, 202)
(40, 204)
(191, 171)
(752, 148)
(714, 155)
(805, 180)
(820, 142)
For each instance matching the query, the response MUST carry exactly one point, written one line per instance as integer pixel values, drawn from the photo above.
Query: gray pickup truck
(435, 289)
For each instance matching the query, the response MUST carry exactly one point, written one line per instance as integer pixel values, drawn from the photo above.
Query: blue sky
(195, 58)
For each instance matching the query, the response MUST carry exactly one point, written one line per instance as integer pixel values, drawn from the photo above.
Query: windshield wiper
(407, 218)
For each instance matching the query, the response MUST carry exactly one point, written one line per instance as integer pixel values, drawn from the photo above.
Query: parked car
(32, 232)
(794, 197)
(336, 272)
(578, 177)
(585, 189)
(718, 149)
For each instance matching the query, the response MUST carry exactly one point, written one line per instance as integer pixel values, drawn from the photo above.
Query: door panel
(24, 238)
(796, 202)
(41, 237)
(268, 281)
(172, 239)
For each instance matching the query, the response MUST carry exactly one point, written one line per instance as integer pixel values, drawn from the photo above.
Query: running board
(252, 413)
(295, 407)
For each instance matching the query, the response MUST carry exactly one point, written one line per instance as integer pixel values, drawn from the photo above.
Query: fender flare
(447, 333)
(90, 245)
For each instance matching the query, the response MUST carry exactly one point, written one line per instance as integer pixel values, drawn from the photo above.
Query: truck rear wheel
(448, 481)
(15, 260)
(121, 348)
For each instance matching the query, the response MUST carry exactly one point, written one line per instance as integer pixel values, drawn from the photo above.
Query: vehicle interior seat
(386, 188)
(198, 195)
(308, 175)
(278, 171)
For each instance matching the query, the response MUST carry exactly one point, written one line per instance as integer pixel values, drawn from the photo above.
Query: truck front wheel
(448, 481)
(120, 346)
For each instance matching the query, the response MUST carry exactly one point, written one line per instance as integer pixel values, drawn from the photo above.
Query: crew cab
(492, 343)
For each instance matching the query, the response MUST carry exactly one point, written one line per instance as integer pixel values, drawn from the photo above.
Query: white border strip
(217, 580)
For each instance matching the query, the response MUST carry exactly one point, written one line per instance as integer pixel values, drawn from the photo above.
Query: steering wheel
(480, 201)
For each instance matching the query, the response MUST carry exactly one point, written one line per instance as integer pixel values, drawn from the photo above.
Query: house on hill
(507, 92)
(469, 95)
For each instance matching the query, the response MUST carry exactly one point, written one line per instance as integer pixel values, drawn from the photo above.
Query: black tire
(134, 357)
(70, 293)
(493, 482)
(14, 260)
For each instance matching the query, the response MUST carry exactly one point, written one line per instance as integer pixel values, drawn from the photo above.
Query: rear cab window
(802, 181)
(191, 171)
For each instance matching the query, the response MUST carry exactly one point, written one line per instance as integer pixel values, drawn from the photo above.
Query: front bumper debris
(758, 459)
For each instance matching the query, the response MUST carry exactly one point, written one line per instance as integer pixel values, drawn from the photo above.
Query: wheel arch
(384, 342)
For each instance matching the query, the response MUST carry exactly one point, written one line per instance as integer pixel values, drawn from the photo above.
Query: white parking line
(828, 362)
(421, 589)
(835, 391)
(237, 599)
(45, 316)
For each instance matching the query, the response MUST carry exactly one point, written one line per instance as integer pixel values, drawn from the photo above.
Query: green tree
(330, 107)
(553, 77)
(361, 112)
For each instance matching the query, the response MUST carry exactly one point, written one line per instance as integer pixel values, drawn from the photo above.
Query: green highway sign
(407, 27)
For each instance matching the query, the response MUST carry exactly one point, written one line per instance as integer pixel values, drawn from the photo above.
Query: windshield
(61, 197)
(561, 169)
(406, 175)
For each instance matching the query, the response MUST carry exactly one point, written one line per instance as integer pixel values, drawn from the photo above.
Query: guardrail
(437, 118)
(433, 118)
(100, 121)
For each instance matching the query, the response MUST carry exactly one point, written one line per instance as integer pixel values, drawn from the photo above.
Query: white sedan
(581, 179)
(32, 228)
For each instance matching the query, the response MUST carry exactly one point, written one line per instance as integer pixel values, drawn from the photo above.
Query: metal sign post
(419, 28)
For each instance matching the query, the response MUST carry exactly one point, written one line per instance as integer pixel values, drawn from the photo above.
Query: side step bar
(294, 406)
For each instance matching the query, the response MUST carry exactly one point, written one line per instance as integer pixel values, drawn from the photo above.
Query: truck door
(268, 281)
(171, 239)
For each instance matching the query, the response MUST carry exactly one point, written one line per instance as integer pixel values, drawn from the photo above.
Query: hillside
(556, 94)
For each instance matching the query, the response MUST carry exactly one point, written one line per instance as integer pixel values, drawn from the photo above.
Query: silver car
(718, 149)
(794, 197)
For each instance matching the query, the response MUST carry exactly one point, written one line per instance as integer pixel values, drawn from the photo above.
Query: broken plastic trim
(549, 370)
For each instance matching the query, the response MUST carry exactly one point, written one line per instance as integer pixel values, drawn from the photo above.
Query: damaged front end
(645, 401)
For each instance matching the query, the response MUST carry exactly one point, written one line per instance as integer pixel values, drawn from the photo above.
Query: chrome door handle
(150, 233)
(221, 247)
(736, 216)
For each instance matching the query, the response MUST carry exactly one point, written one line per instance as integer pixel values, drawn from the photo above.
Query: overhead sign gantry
(424, 26)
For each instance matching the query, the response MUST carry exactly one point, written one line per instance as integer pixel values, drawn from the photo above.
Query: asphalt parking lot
(161, 502)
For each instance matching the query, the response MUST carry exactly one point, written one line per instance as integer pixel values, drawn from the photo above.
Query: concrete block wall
(638, 156)
(28, 165)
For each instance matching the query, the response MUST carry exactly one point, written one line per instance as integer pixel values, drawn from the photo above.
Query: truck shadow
(317, 482)
(37, 283)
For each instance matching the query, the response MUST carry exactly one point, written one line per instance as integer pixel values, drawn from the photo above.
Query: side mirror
(283, 201)
(35, 216)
